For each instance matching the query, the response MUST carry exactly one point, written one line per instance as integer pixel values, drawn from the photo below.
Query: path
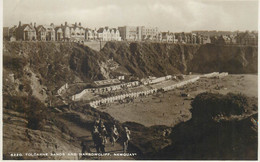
(84, 134)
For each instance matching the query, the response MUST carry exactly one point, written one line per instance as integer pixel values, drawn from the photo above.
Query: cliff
(223, 127)
(157, 59)
(223, 58)
(34, 71)
(160, 59)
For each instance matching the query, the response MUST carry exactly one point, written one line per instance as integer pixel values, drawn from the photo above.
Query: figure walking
(95, 135)
(125, 138)
(85, 149)
(114, 135)
(99, 135)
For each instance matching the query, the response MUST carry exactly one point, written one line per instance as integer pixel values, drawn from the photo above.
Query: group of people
(100, 135)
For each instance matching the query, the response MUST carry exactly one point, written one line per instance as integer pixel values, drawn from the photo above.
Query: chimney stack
(66, 23)
(79, 23)
(75, 24)
(20, 23)
(35, 24)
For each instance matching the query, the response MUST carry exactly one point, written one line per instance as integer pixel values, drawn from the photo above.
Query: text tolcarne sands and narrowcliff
(72, 154)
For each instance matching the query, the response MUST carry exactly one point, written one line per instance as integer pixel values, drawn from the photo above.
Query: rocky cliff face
(32, 74)
(160, 59)
(54, 63)
(232, 59)
(39, 69)
(58, 63)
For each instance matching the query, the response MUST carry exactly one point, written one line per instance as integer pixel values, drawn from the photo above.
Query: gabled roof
(76, 26)
(40, 27)
(100, 30)
(26, 25)
(88, 29)
(48, 27)
(12, 29)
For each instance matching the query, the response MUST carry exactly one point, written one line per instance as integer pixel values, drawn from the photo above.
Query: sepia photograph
(129, 79)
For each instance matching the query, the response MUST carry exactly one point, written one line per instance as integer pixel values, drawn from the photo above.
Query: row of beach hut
(107, 100)
(78, 96)
(171, 87)
(215, 75)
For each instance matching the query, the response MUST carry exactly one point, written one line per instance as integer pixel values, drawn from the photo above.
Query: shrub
(15, 64)
(208, 105)
(34, 110)
(14, 103)
(36, 113)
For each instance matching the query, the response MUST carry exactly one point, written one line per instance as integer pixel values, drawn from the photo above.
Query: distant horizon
(167, 15)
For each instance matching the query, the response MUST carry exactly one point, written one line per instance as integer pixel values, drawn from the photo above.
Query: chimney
(79, 23)
(75, 24)
(31, 23)
(20, 23)
(52, 25)
(35, 24)
(61, 25)
(66, 23)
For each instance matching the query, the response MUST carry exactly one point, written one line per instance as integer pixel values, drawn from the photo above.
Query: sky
(167, 15)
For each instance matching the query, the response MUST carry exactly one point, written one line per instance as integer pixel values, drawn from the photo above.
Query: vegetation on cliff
(160, 59)
(222, 127)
